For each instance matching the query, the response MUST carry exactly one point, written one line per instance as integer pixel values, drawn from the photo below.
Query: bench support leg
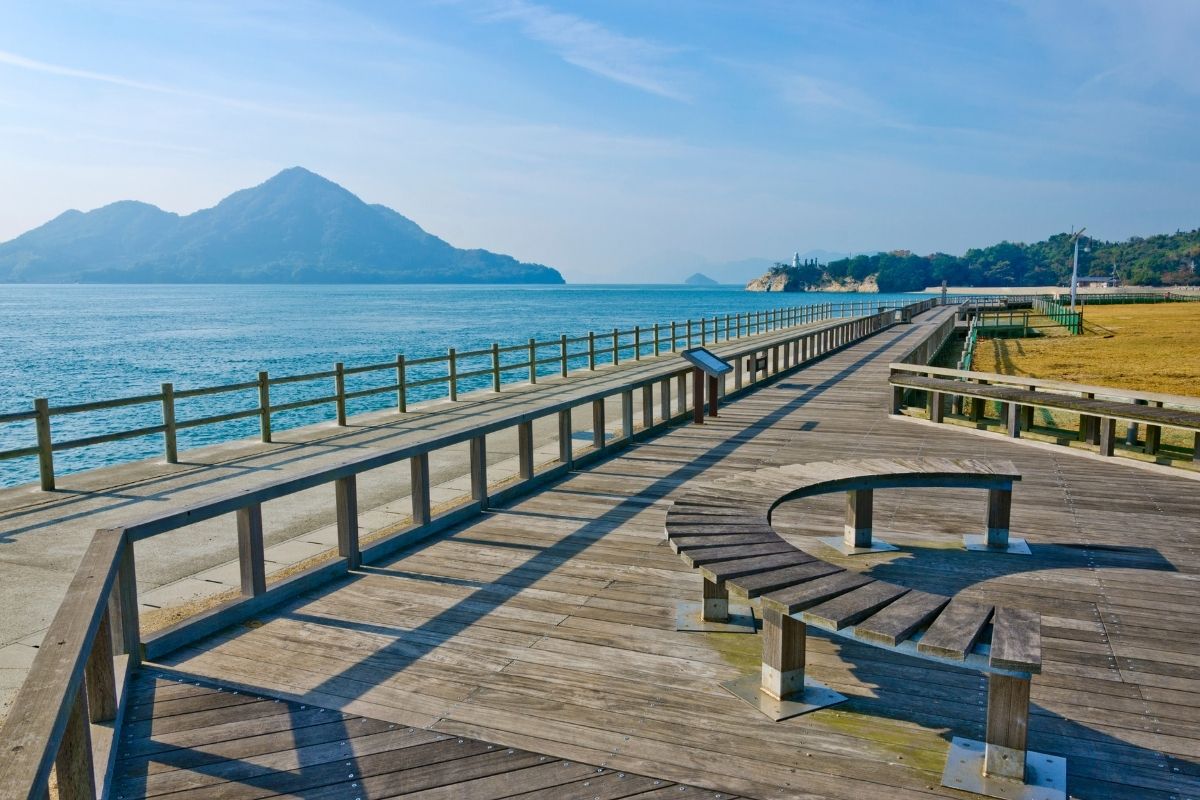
(857, 538)
(782, 690)
(1000, 765)
(716, 602)
(997, 540)
(714, 613)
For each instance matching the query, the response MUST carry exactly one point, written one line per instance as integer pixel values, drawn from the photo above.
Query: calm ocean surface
(80, 343)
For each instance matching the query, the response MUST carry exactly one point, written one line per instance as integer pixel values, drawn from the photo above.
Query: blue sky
(622, 140)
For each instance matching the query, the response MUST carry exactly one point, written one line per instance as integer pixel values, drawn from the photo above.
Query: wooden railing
(455, 371)
(75, 687)
(1057, 395)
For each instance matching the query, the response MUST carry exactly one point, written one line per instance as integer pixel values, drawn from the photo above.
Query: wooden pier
(546, 626)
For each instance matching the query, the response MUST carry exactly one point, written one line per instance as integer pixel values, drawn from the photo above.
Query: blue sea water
(79, 343)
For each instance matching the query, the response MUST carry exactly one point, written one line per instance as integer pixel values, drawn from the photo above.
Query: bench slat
(737, 567)
(1017, 640)
(806, 595)
(700, 556)
(853, 606)
(764, 582)
(716, 530)
(899, 620)
(681, 543)
(956, 630)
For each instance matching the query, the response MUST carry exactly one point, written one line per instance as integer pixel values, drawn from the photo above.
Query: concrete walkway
(43, 534)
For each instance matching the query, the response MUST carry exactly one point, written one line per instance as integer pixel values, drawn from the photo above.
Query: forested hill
(1167, 259)
(296, 227)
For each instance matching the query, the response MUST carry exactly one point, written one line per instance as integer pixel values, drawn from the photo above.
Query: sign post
(705, 364)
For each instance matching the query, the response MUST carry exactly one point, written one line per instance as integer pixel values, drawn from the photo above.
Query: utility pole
(1075, 265)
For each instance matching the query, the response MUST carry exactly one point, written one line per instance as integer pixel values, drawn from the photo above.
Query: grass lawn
(1151, 347)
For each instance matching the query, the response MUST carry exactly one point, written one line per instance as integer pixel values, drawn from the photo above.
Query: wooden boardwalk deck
(188, 739)
(548, 625)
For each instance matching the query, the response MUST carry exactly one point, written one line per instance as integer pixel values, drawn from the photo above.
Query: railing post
(73, 764)
(41, 407)
(346, 501)
(419, 470)
(264, 406)
(250, 550)
(637, 342)
(168, 412)
(339, 385)
(495, 367)
(1108, 435)
(598, 424)
(525, 450)
(452, 373)
(123, 608)
(648, 406)
(592, 351)
(101, 682)
(739, 326)
(657, 345)
(562, 344)
(479, 471)
(703, 332)
(616, 348)
(689, 334)
(627, 414)
(674, 336)
(681, 391)
(401, 386)
(533, 360)
(565, 449)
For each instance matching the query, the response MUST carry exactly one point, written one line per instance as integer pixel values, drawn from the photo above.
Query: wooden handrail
(788, 317)
(35, 727)
(1044, 383)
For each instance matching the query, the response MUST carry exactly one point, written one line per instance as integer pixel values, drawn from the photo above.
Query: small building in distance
(1097, 281)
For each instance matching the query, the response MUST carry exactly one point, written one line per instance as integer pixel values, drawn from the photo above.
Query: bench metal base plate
(816, 695)
(688, 618)
(838, 543)
(1046, 775)
(978, 543)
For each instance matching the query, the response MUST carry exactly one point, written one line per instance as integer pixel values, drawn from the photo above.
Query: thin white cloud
(21, 62)
(591, 46)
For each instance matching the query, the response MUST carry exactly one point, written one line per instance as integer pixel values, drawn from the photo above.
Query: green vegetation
(1166, 259)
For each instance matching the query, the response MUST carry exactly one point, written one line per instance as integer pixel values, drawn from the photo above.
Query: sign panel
(708, 361)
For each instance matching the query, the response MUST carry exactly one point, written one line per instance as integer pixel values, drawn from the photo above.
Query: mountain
(700, 279)
(295, 228)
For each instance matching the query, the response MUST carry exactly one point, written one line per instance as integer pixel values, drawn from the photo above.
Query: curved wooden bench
(723, 528)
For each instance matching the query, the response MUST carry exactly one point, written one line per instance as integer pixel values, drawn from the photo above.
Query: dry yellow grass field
(1155, 348)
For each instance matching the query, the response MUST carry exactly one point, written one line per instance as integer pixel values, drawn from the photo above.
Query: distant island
(1165, 259)
(700, 279)
(297, 227)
